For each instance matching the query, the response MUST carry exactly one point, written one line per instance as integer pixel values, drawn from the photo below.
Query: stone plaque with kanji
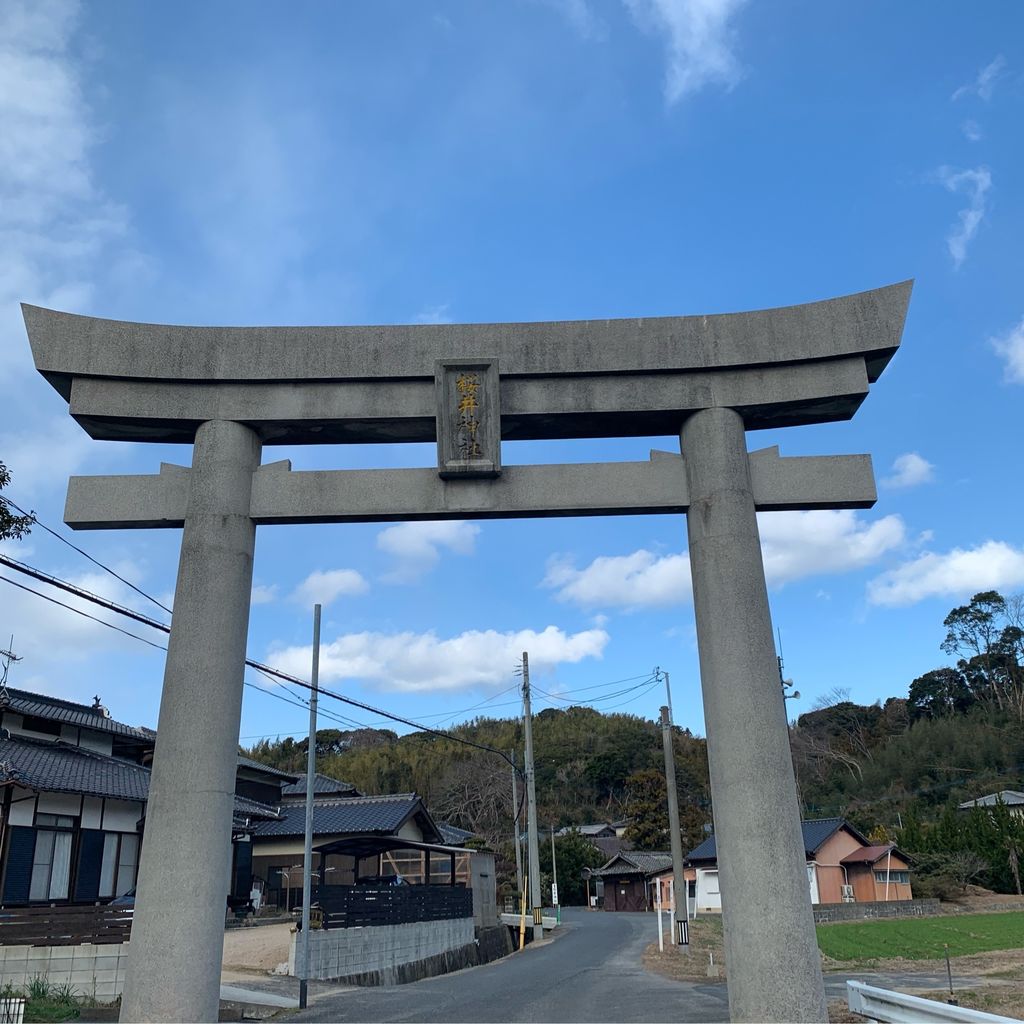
(468, 418)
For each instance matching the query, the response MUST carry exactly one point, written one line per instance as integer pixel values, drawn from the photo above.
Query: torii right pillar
(761, 865)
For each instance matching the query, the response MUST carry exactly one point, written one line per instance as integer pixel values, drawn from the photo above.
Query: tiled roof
(63, 768)
(321, 784)
(815, 833)
(867, 854)
(1010, 797)
(248, 762)
(21, 702)
(590, 831)
(453, 836)
(254, 810)
(362, 814)
(636, 862)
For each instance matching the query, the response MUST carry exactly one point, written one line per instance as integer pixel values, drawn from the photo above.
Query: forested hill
(894, 769)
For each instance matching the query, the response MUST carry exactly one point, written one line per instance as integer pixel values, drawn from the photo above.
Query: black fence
(353, 906)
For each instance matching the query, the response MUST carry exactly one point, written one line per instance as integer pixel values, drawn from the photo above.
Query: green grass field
(922, 938)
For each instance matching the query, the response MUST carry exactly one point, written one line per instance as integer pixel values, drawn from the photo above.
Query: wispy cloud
(972, 131)
(909, 470)
(263, 593)
(975, 184)
(985, 82)
(326, 585)
(698, 40)
(416, 547)
(1011, 347)
(993, 565)
(795, 545)
(581, 16)
(423, 661)
(56, 226)
(433, 315)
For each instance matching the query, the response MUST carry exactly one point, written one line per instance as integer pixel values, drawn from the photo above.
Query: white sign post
(554, 894)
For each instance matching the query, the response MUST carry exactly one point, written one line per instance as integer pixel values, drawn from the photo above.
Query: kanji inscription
(468, 419)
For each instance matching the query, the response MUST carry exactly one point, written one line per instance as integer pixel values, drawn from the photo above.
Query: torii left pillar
(177, 936)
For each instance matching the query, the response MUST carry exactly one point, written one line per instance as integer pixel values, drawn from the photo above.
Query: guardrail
(882, 1004)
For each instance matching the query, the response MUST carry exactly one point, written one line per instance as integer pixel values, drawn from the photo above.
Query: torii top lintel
(589, 378)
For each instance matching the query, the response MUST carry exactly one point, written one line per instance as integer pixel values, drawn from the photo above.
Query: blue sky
(317, 163)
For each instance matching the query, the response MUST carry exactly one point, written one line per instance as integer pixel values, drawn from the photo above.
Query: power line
(78, 611)
(266, 670)
(85, 554)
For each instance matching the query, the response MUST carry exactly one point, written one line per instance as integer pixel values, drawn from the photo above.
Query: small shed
(629, 878)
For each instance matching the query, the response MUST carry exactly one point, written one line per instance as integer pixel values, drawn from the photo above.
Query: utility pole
(668, 691)
(519, 831)
(555, 899)
(682, 906)
(533, 850)
(307, 856)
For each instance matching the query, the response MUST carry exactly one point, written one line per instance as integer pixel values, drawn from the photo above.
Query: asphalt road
(591, 972)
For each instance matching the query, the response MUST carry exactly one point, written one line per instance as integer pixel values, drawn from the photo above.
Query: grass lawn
(922, 938)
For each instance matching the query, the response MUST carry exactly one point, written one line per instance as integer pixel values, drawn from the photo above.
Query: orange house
(842, 867)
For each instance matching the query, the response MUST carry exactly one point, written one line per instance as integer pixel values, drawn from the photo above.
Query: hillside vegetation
(896, 769)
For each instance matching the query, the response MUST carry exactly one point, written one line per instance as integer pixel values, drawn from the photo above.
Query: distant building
(1010, 798)
(842, 867)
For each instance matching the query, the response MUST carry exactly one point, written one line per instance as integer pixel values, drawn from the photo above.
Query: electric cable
(85, 554)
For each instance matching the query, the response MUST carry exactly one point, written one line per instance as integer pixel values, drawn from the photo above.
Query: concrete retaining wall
(389, 954)
(96, 971)
(825, 913)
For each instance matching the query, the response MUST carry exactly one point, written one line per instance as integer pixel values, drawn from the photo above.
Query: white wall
(23, 807)
(96, 971)
(708, 896)
(121, 815)
(59, 803)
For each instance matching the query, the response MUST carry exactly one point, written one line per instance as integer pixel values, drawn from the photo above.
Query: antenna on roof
(7, 658)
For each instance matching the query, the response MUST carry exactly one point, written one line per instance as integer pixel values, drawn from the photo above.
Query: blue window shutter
(90, 861)
(21, 848)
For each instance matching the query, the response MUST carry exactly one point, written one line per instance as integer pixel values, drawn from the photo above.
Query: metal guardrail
(885, 1005)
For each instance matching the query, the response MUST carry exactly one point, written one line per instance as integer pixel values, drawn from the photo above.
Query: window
(51, 865)
(120, 861)
(903, 877)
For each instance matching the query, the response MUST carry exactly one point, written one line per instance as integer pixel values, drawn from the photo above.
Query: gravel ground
(249, 951)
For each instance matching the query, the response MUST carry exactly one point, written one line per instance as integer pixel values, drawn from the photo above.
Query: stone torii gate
(230, 391)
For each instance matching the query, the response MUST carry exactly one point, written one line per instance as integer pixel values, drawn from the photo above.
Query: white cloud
(324, 586)
(1011, 347)
(993, 565)
(55, 225)
(909, 470)
(824, 542)
(263, 594)
(984, 85)
(433, 315)
(46, 456)
(639, 580)
(794, 545)
(422, 661)
(50, 637)
(975, 184)
(698, 39)
(416, 546)
(972, 131)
